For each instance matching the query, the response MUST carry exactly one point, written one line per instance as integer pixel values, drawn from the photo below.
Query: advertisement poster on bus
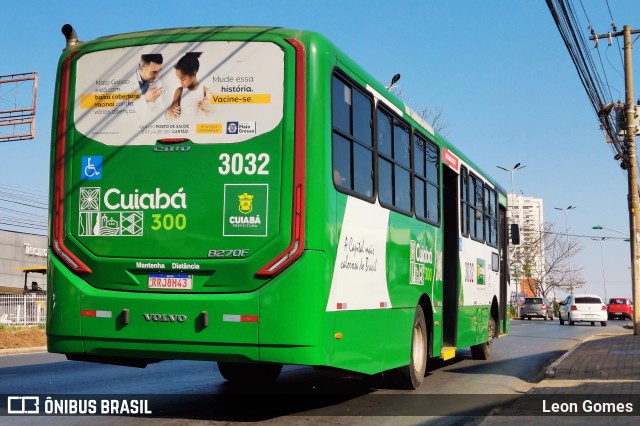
(207, 92)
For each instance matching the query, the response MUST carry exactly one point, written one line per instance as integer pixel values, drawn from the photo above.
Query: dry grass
(22, 337)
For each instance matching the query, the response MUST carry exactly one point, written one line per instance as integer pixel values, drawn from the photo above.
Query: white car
(583, 308)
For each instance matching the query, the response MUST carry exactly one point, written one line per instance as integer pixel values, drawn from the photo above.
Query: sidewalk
(607, 364)
(14, 351)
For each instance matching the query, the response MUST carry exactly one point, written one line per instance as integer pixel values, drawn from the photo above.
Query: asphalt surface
(602, 371)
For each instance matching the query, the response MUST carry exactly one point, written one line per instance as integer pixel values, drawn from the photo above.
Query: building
(26, 251)
(529, 256)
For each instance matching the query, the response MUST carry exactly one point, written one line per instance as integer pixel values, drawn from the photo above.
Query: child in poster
(191, 99)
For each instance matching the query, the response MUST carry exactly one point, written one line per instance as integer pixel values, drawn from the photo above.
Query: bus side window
(402, 173)
(394, 162)
(433, 184)
(385, 179)
(341, 161)
(426, 180)
(351, 112)
(363, 148)
(476, 208)
(464, 201)
(491, 217)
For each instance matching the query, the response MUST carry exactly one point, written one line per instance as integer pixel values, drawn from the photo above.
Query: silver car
(536, 307)
(583, 308)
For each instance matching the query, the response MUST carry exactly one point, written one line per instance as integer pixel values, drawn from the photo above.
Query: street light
(604, 281)
(610, 229)
(394, 80)
(566, 231)
(515, 168)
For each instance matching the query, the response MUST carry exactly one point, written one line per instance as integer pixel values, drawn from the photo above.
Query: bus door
(503, 242)
(451, 257)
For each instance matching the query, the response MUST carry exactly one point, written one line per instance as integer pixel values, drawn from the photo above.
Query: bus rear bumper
(134, 328)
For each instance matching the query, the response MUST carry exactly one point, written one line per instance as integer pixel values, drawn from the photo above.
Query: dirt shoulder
(22, 338)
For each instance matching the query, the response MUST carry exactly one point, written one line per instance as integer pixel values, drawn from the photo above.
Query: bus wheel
(483, 350)
(411, 376)
(249, 373)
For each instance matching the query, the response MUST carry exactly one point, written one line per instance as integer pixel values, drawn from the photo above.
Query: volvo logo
(164, 318)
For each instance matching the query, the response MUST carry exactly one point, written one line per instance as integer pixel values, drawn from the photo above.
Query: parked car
(583, 308)
(537, 307)
(620, 307)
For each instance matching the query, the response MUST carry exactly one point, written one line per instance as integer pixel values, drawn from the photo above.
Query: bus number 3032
(249, 164)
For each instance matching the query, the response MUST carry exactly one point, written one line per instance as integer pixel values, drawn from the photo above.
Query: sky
(498, 69)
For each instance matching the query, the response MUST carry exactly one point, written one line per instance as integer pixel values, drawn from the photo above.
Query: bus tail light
(296, 245)
(59, 166)
(171, 140)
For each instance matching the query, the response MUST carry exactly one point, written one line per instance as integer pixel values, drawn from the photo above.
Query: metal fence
(23, 309)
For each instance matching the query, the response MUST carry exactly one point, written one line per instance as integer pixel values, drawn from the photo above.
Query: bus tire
(249, 373)
(411, 376)
(483, 350)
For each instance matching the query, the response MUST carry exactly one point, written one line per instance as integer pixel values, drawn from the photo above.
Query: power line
(31, 216)
(24, 196)
(599, 95)
(615, 29)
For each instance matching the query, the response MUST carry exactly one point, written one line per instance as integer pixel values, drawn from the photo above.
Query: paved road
(188, 391)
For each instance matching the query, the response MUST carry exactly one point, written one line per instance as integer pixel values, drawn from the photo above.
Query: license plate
(171, 281)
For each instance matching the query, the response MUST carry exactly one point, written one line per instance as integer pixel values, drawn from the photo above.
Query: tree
(432, 115)
(544, 261)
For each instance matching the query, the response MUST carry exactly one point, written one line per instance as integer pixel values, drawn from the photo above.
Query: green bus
(252, 196)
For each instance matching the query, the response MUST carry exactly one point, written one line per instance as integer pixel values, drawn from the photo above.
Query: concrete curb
(550, 372)
(14, 351)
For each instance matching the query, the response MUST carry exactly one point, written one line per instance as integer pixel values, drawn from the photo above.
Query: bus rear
(176, 194)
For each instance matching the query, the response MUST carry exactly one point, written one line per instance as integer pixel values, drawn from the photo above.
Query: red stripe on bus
(296, 244)
(58, 188)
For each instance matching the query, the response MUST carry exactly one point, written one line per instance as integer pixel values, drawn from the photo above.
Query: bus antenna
(70, 36)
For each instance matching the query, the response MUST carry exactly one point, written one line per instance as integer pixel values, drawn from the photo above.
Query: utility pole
(632, 162)
(566, 227)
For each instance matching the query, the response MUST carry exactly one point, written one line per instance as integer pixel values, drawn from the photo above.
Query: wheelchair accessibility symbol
(92, 168)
